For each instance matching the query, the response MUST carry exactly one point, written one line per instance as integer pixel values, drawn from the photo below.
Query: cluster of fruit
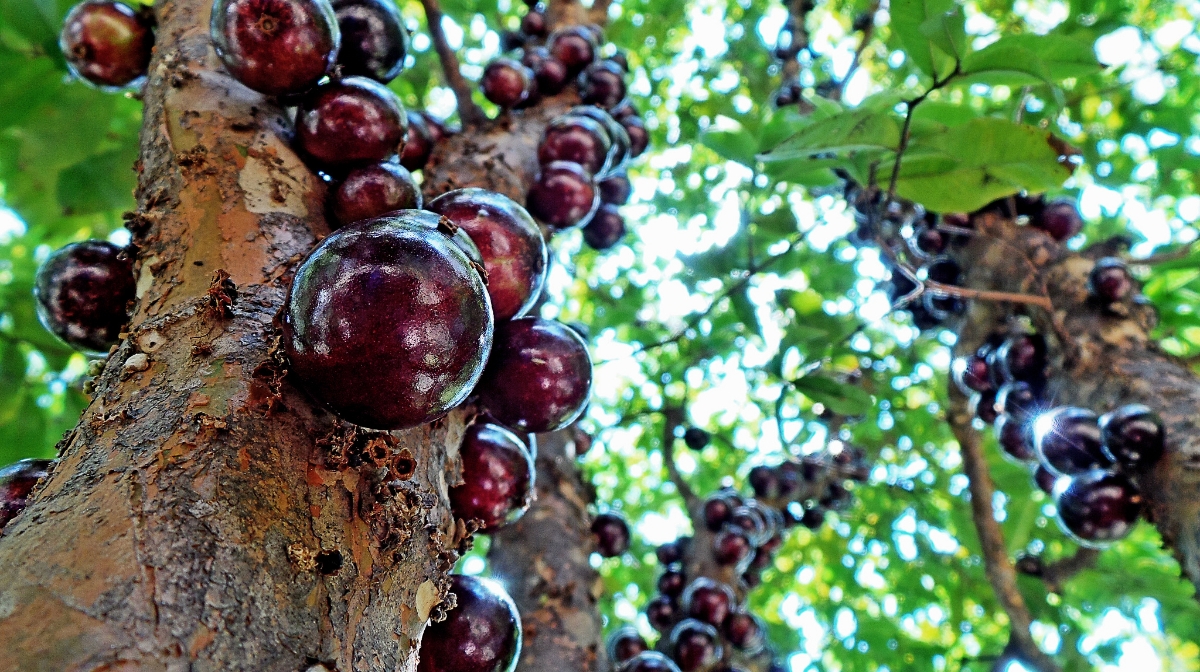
(1083, 460)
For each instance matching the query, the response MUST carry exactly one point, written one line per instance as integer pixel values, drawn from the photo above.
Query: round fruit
(353, 121)
(695, 646)
(662, 612)
(672, 582)
(752, 518)
(482, 633)
(605, 229)
(1067, 441)
(513, 248)
(276, 47)
(618, 154)
(82, 292)
(1021, 357)
(764, 481)
(374, 40)
(611, 533)
(421, 140)
(639, 139)
(534, 23)
(1044, 478)
(1018, 399)
(931, 241)
(745, 632)
(388, 322)
(498, 475)
(563, 195)
(1060, 219)
(731, 546)
(670, 552)
(106, 43)
(506, 82)
(1133, 436)
(1015, 439)
(621, 60)
(649, 661)
(539, 376)
(814, 517)
(708, 601)
(576, 139)
(603, 84)
(615, 189)
(16, 483)
(574, 47)
(373, 190)
(624, 110)
(696, 438)
(1098, 507)
(972, 374)
(625, 644)
(1109, 281)
(717, 510)
(550, 74)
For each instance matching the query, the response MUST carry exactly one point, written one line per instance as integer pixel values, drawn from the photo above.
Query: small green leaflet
(856, 130)
(838, 397)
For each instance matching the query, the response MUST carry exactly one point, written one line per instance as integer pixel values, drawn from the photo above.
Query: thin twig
(867, 34)
(1163, 257)
(470, 113)
(906, 131)
(988, 295)
(672, 418)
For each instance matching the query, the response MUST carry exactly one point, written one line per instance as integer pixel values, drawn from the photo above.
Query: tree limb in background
(470, 113)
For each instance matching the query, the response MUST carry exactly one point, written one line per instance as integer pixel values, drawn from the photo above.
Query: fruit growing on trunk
(1067, 441)
(549, 73)
(483, 632)
(1133, 437)
(388, 323)
(506, 82)
(1060, 219)
(421, 141)
(576, 139)
(1109, 281)
(373, 190)
(374, 40)
(276, 47)
(708, 601)
(353, 121)
(625, 644)
(649, 661)
(603, 84)
(498, 475)
(605, 229)
(106, 43)
(563, 195)
(616, 189)
(1098, 507)
(695, 646)
(574, 47)
(611, 533)
(82, 292)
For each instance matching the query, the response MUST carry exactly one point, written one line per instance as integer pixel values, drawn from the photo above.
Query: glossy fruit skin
(1018, 399)
(603, 84)
(1015, 438)
(1060, 219)
(694, 645)
(1097, 507)
(482, 633)
(358, 341)
(498, 476)
(16, 483)
(106, 43)
(1021, 357)
(662, 612)
(276, 47)
(1109, 281)
(972, 374)
(1044, 479)
(576, 139)
(731, 547)
(625, 644)
(745, 632)
(696, 438)
(506, 82)
(550, 74)
(354, 121)
(574, 47)
(82, 291)
(1133, 437)
(639, 138)
(708, 601)
(618, 154)
(534, 23)
(539, 377)
(615, 189)
(373, 190)
(374, 40)
(605, 229)
(649, 661)
(563, 195)
(717, 511)
(514, 251)
(670, 552)
(611, 533)
(672, 582)
(931, 241)
(420, 142)
(764, 481)
(1067, 441)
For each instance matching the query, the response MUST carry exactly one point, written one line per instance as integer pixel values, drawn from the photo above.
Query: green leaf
(838, 397)
(98, 183)
(858, 130)
(781, 220)
(744, 308)
(928, 32)
(732, 145)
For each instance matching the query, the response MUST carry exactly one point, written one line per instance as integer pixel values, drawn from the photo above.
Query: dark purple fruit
(506, 82)
(611, 533)
(753, 519)
(814, 517)
(574, 47)
(931, 241)
(1044, 479)
(1060, 219)
(603, 84)
(672, 582)
(1133, 437)
(388, 322)
(1015, 439)
(1110, 281)
(352, 121)
(605, 229)
(1067, 441)
(695, 646)
(563, 195)
(639, 138)
(513, 248)
(615, 189)
(498, 475)
(1098, 507)
(550, 74)
(623, 111)
(972, 374)
(618, 154)
(82, 292)
(576, 139)
(745, 632)
(539, 376)
(764, 481)
(1018, 399)
(717, 511)
(533, 23)
(670, 552)
(106, 43)
(374, 40)
(708, 601)
(1022, 357)
(621, 60)
(696, 438)
(276, 47)
(16, 483)
(625, 644)
(649, 661)
(373, 190)
(731, 546)
(483, 632)
(420, 144)
(662, 612)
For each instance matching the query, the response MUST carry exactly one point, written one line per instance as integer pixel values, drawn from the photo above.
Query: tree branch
(673, 418)
(868, 32)
(470, 113)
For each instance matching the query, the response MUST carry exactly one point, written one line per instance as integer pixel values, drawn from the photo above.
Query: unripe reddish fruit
(745, 632)
(639, 139)
(82, 292)
(276, 47)
(1133, 437)
(483, 632)
(662, 612)
(506, 82)
(533, 23)
(611, 533)
(717, 511)
(672, 582)
(1067, 441)
(1098, 507)
(574, 47)
(388, 321)
(353, 121)
(1015, 439)
(498, 475)
(551, 75)
(563, 195)
(615, 189)
(16, 482)
(539, 376)
(1060, 219)
(731, 546)
(374, 190)
(695, 646)
(374, 40)
(625, 644)
(420, 142)
(106, 43)
(437, 128)
(603, 84)
(649, 661)
(605, 229)
(1109, 281)
(696, 438)
(513, 248)
(576, 139)
(708, 601)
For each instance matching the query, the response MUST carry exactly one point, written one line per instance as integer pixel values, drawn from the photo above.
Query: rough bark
(205, 515)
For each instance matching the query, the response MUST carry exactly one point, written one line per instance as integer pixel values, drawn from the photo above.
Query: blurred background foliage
(736, 281)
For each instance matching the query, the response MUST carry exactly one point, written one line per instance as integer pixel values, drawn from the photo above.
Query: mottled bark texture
(205, 515)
